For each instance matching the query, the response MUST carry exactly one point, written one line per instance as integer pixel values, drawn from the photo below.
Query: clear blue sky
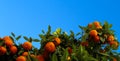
(29, 17)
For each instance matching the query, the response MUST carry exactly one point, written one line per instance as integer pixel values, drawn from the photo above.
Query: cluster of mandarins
(50, 47)
(96, 38)
(93, 30)
(8, 43)
(109, 37)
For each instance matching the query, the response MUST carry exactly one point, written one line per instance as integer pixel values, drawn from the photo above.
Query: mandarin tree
(94, 42)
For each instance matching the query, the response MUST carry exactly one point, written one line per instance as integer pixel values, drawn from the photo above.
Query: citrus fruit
(110, 38)
(90, 25)
(93, 33)
(25, 54)
(57, 41)
(40, 58)
(13, 49)
(114, 59)
(21, 58)
(8, 41)
(97, 39)
(3, 50)
(27, 45)
(114, 43)
(96, 23)
(50, 47)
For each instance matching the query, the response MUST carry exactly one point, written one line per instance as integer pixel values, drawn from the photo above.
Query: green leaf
(34, 59)
(58, 30)
(65, 55)
(12, 34)
(104, 54)
(82, 28)
(26, 38)
(81, 49)
(17, 38)
(110, 25)
(54, 33)
(71, 33)
(54, 57)
(36, 40)
(43, 31)
(1, 42)
(78, 34)
(49, 30)
(42, 37)
(90, 59)
(102, 39)
(30, 39)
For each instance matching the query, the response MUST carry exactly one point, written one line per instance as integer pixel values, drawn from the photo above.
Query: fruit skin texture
(57, 41)
(110, 38)
(85, 43)
(40, 58)
(27, 45)
(113, 43)
(93, 33)
(50, 47)
(13, 49)
(97, 25)
(96, 39)
(8, 41)
(3, 50)
(21, 58)
(25, 54)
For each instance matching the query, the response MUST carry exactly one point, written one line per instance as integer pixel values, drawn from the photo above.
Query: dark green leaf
(36, 40)
(17, 38)
(30, 39)
(49, 30)
(12, 34)
(1, 42)
(54, 57)
(78, 34)
(43, 31)
(26, 38)
(110, 25)
(71, 33)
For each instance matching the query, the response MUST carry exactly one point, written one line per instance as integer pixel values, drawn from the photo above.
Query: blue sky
(29, 17)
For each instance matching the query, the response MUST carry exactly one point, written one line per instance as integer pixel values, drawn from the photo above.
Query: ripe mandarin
(27, 45)
(21, 58)
(50, 47)
(93, 33)
(13, 49)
